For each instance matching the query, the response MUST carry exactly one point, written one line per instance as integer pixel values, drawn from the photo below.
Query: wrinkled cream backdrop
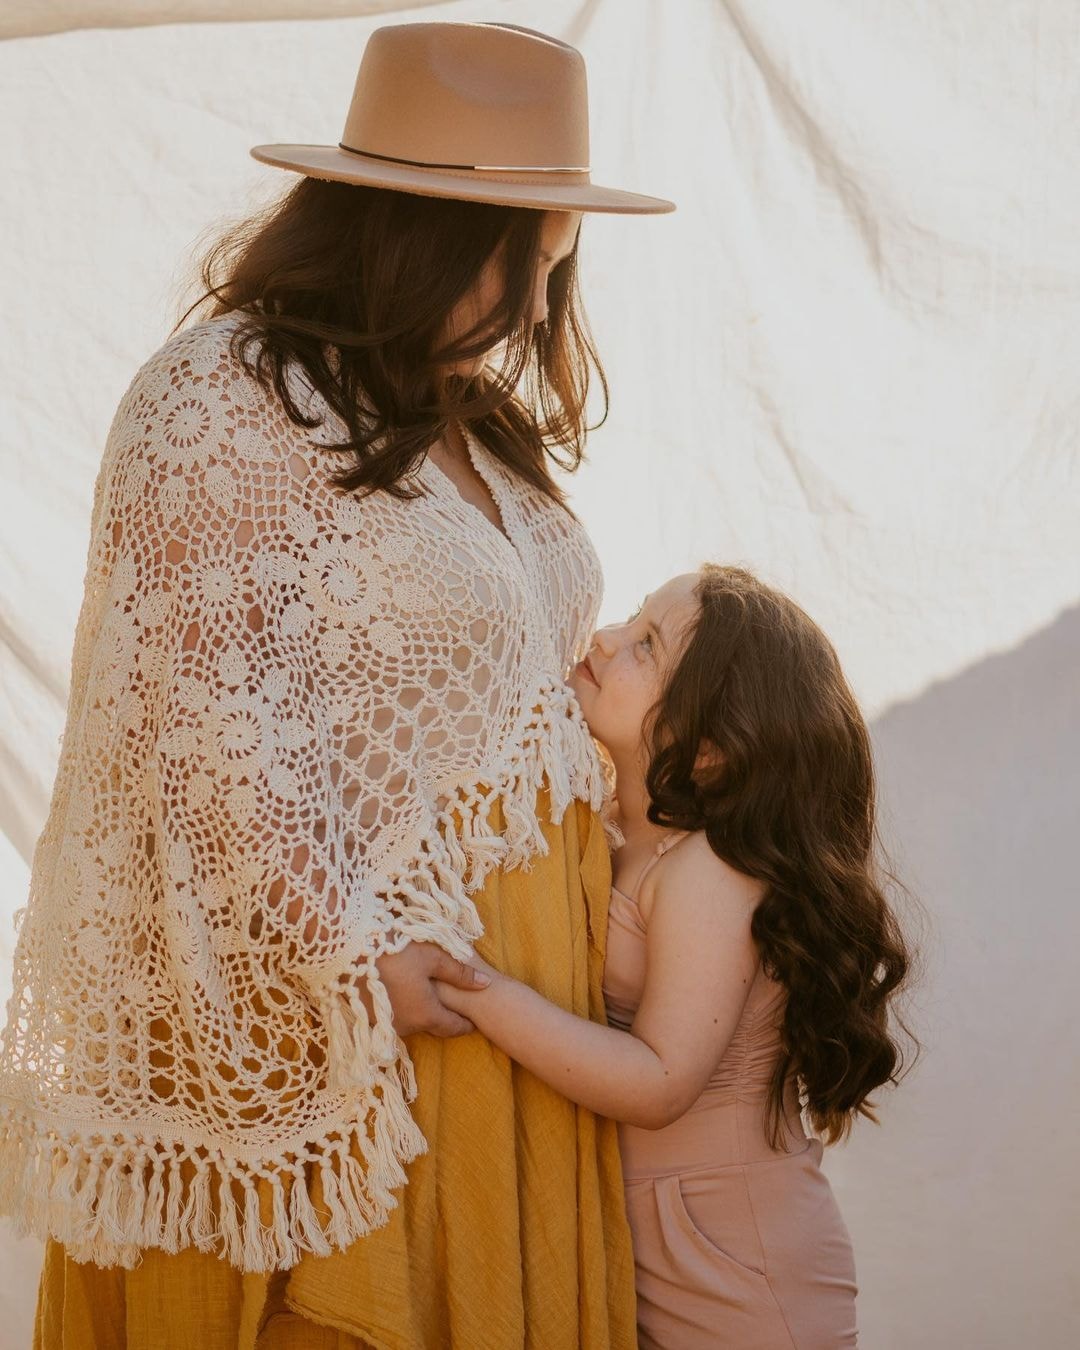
(849, 360)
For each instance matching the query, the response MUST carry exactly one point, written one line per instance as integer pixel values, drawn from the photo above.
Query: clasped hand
(411, 979)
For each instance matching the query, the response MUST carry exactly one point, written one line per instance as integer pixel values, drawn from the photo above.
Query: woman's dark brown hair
(787, 796)
(354, 285)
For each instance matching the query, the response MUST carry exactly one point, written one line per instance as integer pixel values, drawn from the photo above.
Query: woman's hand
(410, 976)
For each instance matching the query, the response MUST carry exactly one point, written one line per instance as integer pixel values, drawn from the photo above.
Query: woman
(318, 724)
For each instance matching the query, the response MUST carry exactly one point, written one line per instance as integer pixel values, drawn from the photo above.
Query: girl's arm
(701, 961)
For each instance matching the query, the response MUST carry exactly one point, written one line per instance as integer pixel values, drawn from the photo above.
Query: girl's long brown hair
(354, 285)
(785, 793)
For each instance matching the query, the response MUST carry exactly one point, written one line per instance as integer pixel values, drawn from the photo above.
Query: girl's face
(558, 235)
(624, 672)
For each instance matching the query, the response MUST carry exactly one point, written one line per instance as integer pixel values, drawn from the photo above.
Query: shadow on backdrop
(972, 1182)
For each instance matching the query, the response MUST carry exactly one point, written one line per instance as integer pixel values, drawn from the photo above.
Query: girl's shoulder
(689, 872)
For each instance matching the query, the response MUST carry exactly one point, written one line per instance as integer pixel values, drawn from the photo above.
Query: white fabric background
(849, 361)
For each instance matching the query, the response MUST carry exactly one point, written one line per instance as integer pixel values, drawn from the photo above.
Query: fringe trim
(106, 1197)
(428, 900)
(110, 1193)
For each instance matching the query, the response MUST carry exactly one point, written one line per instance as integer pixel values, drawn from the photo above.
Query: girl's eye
(646, 642)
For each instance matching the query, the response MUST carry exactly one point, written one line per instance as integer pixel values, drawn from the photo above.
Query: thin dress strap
(662, 847)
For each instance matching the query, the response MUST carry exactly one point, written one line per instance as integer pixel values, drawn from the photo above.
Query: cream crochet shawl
(290, 713)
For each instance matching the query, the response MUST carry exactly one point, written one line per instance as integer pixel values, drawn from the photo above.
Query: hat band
(469, 168)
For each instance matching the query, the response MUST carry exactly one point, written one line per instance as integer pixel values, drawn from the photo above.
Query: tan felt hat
(477, 111)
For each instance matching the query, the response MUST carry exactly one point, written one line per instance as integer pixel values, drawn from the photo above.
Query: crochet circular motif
(343, 581)
(187, 423)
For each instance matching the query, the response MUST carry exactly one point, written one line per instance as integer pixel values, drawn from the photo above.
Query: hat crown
(463, 95)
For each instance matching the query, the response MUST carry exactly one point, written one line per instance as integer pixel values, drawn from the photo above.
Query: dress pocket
(711, 1209)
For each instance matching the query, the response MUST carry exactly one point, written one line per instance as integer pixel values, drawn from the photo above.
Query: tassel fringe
(107, 1193)
(107, 1198)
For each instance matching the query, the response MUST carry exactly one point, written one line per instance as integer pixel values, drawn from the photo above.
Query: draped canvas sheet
(30, 18)
(848, 360)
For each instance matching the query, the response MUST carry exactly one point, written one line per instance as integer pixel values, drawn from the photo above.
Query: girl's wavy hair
(785, 793)
(354, 285)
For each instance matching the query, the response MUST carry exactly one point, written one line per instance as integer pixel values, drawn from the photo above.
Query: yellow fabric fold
(511, 1230)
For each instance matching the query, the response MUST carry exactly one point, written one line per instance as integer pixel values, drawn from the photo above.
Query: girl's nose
(602, 639)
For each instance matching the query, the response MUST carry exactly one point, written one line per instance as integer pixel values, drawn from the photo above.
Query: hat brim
(346, 166)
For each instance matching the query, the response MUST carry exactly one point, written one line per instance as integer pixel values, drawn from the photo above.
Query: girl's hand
(478, 963)
(469, 1002)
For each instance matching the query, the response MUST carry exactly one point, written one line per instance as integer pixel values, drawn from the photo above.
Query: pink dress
(735, 1244)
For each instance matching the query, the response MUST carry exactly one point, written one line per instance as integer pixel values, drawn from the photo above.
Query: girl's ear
(709, 759)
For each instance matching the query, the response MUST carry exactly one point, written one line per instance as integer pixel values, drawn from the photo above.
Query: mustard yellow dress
(511, 1231)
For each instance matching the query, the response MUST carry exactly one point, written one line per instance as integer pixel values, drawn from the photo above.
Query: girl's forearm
(609, 1071)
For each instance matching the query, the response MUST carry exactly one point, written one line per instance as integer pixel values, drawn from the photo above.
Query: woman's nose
(540, 301)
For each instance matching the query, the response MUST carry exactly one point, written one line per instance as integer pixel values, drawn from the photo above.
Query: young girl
(750, 955)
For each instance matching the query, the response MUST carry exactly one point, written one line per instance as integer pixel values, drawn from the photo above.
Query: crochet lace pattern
(291, 710)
